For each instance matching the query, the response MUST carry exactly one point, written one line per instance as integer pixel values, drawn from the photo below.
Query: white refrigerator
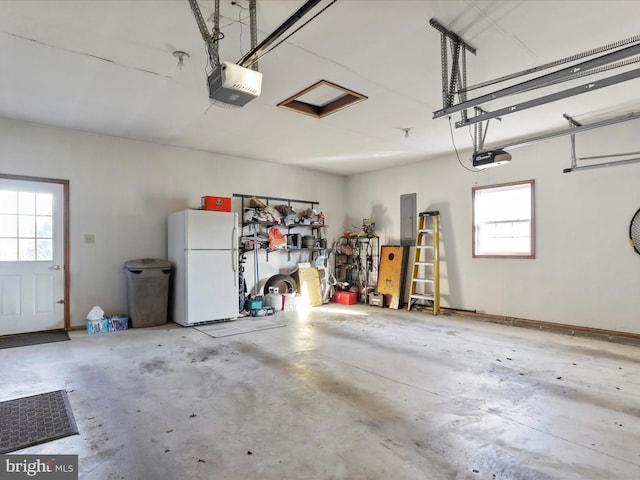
(203, 249)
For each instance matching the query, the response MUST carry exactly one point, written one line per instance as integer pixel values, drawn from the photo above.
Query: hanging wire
(241, 22)
(456, 149)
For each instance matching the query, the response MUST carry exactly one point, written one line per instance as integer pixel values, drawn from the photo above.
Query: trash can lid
(144, 263)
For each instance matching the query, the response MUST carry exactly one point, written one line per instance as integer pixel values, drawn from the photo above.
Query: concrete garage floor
(341, 393)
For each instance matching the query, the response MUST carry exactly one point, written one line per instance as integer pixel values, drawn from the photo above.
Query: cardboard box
(219, 204)
(346, 298)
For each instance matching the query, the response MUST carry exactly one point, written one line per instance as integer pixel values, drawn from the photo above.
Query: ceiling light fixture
(181, 56)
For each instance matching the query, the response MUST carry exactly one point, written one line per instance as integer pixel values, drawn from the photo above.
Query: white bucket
(274, 299)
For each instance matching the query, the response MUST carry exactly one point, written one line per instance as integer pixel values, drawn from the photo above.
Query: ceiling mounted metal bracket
(480, 131)
(602, 165)
(574, 130)
(545, 80)
(253, 27)
(587, 87)
(210, 40)
(454, 81)
(562, 61)
(576, 127)
(572, 124)
(251, 57)
(449, 34)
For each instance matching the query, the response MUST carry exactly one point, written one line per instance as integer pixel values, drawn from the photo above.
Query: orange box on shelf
(219, 204)
(346, 298)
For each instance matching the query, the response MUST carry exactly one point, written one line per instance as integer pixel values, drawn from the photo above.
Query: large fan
(634, 232)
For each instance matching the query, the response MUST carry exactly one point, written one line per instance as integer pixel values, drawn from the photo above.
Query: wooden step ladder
(425, 277)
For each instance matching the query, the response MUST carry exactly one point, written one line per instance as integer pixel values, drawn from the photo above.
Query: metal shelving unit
(315, 229)
(356, 260)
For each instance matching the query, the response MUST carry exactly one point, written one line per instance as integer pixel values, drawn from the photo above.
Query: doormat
(33, 420)
(237, 327)
(36, 338)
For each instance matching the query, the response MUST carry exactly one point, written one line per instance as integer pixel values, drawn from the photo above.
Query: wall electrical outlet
(89, 238)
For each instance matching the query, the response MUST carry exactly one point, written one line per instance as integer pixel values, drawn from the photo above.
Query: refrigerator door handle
(235, 258)
(234, 238)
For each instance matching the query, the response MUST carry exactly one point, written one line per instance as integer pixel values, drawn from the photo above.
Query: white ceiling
(107, 66)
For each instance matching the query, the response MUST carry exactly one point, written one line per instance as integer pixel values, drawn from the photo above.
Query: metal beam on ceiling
(555, 63)
(252, 56)
(589, 87)
(621, 57)
(570, 131)
(575, 128)
(542, 80)
(573, 124)
(601, 165)
(452, 35)
(250, 59)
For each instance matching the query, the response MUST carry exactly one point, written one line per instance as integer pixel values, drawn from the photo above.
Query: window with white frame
(26, 226)
(503, 220)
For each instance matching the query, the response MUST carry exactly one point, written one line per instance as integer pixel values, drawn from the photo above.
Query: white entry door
(31, 256)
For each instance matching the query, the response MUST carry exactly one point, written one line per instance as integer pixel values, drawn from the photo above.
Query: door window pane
(44, 204)
(26, 203)
(44, 227)
(45, 249)
(8, 225)
(27, 226)
(8, 249)
(8, 201)
(27, 249)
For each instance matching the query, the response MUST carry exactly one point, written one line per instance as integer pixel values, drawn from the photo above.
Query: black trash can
(147, 291)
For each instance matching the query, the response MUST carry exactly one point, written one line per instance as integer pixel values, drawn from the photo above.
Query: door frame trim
(65, 235)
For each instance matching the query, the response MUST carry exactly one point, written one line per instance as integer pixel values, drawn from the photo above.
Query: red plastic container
(346, 298)
(218, 204)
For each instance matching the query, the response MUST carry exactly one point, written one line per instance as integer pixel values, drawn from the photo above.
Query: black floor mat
(36, 419)
(35, 338)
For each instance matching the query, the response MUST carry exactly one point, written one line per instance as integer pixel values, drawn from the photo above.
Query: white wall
(121, 191)
(584, 272)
